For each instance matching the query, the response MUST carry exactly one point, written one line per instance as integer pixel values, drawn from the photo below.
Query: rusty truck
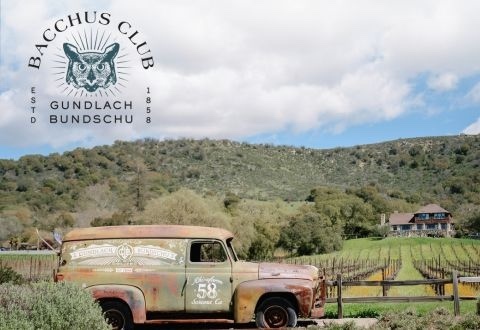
(169, 273)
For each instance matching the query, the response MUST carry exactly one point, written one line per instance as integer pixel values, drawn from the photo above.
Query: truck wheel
(275, 313)
(117, 315)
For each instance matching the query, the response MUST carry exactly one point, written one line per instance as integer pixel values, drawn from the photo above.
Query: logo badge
(90, 58)
(124, 252)
(91, 70)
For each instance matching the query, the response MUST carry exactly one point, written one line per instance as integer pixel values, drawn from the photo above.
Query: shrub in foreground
(439, 319)
(8, 275)
(48, 305)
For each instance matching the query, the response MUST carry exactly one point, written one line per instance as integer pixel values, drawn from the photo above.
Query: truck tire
(117, 315)
(275, 313)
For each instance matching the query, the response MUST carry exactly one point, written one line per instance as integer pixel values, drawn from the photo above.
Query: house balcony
(438, 229)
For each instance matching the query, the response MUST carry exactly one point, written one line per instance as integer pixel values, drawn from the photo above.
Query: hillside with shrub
(254, 189)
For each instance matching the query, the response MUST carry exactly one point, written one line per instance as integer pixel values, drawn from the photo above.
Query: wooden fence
(455, 280)
(32, 265)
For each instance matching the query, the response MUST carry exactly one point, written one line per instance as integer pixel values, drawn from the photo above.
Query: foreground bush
(439, 319)
(48, 305)
(8, 275)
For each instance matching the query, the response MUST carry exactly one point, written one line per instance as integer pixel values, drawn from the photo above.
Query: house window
(444, 226)
(394, 227)
(405, 227)
(432, 226)
(423, 216)
(419, 226)
(439, 216)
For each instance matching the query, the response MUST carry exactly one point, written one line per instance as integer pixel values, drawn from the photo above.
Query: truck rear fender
(130, 295)
(249, 294)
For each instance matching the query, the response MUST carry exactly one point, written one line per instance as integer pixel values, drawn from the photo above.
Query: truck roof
(146, 231)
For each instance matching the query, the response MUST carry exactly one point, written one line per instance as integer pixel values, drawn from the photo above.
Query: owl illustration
(91, 70)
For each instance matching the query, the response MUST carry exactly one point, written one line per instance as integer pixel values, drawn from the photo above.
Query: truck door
(161, 273)
(209, 271)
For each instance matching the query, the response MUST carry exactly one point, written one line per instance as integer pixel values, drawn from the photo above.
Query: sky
(316, 73)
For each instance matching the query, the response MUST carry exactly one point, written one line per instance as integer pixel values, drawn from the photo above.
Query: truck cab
(165, 273)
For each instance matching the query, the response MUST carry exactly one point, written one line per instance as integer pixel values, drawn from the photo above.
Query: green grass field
(376, 309)
(367, 248)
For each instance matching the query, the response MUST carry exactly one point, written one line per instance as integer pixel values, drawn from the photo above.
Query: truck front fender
(247, 295)
(131, 295)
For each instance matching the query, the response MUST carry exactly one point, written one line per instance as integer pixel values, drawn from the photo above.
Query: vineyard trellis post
(442, 287)
(384, 277)
(31, 266)
(339, 296)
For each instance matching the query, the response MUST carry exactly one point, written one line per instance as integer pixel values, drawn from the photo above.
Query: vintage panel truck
(166, 273)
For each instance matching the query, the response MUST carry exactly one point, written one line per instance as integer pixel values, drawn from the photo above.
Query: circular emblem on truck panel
(124, 252)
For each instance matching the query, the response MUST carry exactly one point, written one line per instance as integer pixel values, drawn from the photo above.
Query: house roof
(432, 208)
(400, 218)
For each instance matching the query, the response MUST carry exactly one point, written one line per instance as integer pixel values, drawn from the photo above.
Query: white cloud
(473, 129)
(8, 108)
(443, 82)
(239, 68)
(474, 93)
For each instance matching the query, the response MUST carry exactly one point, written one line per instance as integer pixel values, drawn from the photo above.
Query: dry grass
(366, 291)
(464, 290)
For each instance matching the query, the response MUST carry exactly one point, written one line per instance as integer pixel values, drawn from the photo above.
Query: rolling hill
(444, 170)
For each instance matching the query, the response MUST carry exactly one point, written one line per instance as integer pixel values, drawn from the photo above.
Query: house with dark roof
(430, 220)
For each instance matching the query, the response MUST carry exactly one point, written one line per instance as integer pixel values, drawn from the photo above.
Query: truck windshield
(231, 250)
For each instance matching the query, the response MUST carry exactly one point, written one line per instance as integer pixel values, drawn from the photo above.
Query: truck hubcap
(276, 316)
(115, 319)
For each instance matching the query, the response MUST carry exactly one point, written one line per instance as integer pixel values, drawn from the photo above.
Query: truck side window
(207, 252)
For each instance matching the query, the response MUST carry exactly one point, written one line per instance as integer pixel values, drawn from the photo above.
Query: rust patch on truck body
(132, 296)
(248, 294)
